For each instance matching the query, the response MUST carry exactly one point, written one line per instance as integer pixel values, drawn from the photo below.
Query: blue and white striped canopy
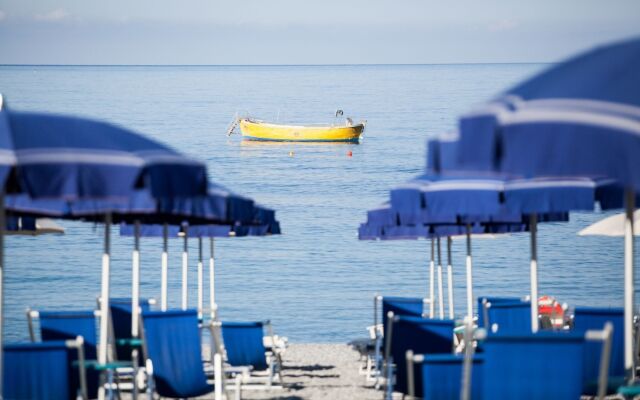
(65, 157)
(578, 118)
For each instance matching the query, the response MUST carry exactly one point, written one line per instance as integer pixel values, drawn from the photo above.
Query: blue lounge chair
(120, 310)
(545, 365)
(440, 376)
(243, 346)
(482, 315)
(422, 336)
(508, 317)
(68, 325)
(173, 350)
(44, 371)
(586, 318)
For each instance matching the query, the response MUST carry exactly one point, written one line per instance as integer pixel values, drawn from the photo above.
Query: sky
(307, 31)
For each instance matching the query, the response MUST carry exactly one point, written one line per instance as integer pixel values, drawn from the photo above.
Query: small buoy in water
(291, 154)
(349, 153)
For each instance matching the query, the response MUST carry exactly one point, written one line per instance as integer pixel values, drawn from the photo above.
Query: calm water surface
(316, 281)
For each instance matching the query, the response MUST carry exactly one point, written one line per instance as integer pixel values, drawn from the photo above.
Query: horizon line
(272, 65)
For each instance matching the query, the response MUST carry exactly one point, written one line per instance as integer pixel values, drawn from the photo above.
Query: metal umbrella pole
(165, 267)
(628, 285)
(533, 222)
(449, 278)
(185, 265)
(469, 276)
(440, 287)
(431, 282)
(135, 302)
(212, 280)
(200, 280)
(104, 298)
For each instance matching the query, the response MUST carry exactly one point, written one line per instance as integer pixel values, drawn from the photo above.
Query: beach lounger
(544, 365)
(420, 335)
(507, 316)
(482, 315)
(440, 376)
(68, 325)
(586, 318)
(242, 347)
(120, 310)
(173, 354)
(45, 370)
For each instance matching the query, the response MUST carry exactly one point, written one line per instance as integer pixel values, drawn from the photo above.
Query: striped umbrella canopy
(579, 117)
(54, 157)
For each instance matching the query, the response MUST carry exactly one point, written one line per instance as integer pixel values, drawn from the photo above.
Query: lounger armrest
(133, 342)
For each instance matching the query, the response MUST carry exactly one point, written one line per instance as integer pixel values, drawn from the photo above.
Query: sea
(315, 282)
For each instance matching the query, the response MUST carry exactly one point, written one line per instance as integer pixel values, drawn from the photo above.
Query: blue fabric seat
(492, 300)
(586, 318)
(67, 325)
(409, 306)
(422, 336)
(441, 377)
(545, 365)
(243, 342)
(510, 317)
(39, 371)
(120, 309)
(172, 343)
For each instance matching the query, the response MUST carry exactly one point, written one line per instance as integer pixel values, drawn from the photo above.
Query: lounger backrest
(409, 306)
(243, 342)
(545, 365)
(37, 371)
(422, 336)
(172, 342)
(586, 318)
(67, 325)
(441, 376)
(120, 309)
(493, 300)
(510, 317)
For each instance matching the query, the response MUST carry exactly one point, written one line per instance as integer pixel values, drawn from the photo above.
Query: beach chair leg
(150, 381)
(238, 387)
(217, 367)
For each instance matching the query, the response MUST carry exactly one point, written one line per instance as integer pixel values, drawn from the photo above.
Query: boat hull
(252, 130)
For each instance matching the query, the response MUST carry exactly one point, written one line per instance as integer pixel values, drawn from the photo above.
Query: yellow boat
(253, 129)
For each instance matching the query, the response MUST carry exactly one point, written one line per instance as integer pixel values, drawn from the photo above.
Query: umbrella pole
(212, 280)
(135, 301)
(469, 277)
(2, 224)
(440, 288)
(200, 279)
(628, 284)
(432, 310)
(185, 264)
(165, 267)
(449, 278)
(533, 222)
(104, 299)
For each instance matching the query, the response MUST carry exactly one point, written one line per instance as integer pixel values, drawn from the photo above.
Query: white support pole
(449, 278)
(200, 280)
(104, 300)
(533, 222)
(2, 224)
(629, 285)
(185, 265)
(135, 280)
(469, 276)
(440, 287)
(164, 274)
(432, 305)
(135, 301)
(212, 280)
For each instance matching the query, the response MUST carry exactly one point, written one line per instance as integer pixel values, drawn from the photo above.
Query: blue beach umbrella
(579, 117)
(76, 159)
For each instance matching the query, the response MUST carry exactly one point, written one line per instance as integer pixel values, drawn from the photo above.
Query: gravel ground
(319, 371)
